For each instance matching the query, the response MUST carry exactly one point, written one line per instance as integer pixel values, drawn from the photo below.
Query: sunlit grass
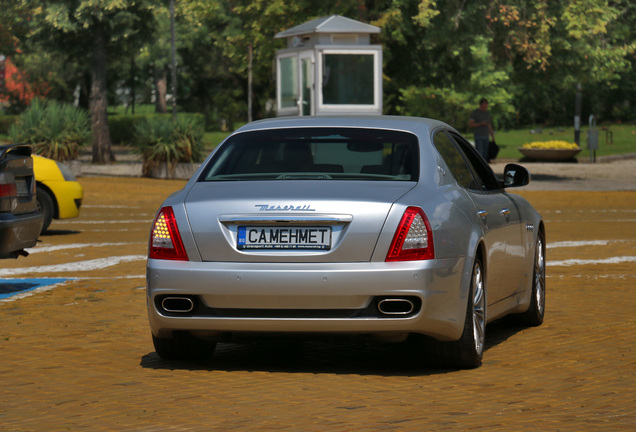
(615, 139)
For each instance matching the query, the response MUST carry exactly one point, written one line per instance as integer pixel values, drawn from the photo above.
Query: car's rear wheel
(467, 352)
(45, 206)
(183, 346)
(535, 313)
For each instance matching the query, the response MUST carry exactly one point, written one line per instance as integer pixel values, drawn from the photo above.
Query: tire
(45, 206)
(183, 346)
(467, 352)
(534, 315)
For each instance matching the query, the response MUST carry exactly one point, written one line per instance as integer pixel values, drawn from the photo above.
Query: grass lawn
(615, 139)
(213, 139)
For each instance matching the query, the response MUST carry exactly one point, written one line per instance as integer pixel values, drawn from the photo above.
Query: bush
(5, 123)
(122, 126)
(55, 130)
(161, 141)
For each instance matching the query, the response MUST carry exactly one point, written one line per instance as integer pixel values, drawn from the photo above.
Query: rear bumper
(298, 290)
(18, 232)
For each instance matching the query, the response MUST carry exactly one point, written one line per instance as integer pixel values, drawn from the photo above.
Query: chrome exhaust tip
(177, 304)
(395, 306)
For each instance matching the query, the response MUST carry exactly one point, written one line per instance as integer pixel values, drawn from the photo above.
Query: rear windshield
(316, 154)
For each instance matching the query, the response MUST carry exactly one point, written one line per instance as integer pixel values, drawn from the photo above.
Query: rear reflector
(413, 239)
(165, 241)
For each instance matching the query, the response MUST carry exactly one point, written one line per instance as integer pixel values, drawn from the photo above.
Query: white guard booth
(329, 67)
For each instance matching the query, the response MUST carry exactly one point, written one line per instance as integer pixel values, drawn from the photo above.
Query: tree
(110, 27)
(154, 57)
(525, 56)
(214, 40)
(535, 53)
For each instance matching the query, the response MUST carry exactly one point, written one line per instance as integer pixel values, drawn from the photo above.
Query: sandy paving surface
(616, 175)
(78, 356)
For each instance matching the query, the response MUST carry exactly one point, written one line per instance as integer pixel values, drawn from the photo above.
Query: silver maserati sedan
(379, 226)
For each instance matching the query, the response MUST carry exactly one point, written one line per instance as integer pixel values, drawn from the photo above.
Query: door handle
(505, 212)
(482, 213)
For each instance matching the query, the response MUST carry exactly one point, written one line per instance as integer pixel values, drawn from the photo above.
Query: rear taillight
(165, 241)
(413, 238)
(8, 190)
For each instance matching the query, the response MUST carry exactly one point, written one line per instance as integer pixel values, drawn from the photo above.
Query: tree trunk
(85, 91)
(161, 88)
(98, 102)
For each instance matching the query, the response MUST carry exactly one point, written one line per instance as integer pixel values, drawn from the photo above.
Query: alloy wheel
(479, 310)
(539, 277)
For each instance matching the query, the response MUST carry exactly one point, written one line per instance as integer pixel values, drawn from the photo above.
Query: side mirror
(515, 176)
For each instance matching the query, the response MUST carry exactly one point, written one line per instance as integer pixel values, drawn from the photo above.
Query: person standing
(481, 125)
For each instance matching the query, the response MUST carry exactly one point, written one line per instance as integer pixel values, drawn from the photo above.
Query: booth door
(306, 84)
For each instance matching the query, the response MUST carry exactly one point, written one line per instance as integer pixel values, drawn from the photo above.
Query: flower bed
(550, 150)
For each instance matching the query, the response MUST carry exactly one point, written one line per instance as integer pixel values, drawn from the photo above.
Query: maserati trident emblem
(284, 208)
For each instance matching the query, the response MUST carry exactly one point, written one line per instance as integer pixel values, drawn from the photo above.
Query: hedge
(122, 126)
(5, 123)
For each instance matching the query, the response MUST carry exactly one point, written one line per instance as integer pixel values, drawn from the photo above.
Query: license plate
(253, 237)
(21, 186)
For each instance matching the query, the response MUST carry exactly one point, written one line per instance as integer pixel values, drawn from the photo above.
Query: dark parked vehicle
(20, 221)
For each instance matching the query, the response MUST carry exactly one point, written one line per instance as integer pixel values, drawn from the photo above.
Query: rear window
(316, 154)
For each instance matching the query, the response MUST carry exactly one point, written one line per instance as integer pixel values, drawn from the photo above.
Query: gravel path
(608, 174)
(617, 175)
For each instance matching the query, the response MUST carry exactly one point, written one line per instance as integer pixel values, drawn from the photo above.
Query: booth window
(348, 79)
(288, 87)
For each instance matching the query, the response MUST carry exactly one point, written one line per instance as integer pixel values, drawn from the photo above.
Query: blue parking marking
(11, 287)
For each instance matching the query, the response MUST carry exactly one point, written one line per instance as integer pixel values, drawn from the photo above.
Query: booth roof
(330, 24)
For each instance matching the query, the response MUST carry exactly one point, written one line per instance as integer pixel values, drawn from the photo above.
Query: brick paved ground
(79, 356)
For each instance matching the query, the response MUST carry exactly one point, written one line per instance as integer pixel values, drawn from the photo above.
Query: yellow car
(59, 195)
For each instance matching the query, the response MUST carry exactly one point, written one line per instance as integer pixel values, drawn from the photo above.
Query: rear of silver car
(344, 286)
(314, 249)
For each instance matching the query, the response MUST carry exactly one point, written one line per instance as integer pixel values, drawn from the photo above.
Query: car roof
(416, 125)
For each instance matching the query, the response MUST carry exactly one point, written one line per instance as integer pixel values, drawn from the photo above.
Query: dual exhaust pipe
(395, 306)
(177, 304)
(386, 306)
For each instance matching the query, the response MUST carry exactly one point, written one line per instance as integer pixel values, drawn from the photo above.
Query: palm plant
(161, 141)
(55, 130)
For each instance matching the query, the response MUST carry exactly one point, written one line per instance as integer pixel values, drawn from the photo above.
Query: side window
(454, 160)
(481, 168)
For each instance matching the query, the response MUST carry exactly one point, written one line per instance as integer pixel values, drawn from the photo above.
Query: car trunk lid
(290, 221)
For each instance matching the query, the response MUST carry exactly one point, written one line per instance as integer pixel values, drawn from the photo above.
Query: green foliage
(444, 104)
(525, 56)
(5, 123)
(122, 127)
(453, 104)
(162, 141)
(145, 109)
(213, 139)
(585, 18)
(13, 26)
(55, 130)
